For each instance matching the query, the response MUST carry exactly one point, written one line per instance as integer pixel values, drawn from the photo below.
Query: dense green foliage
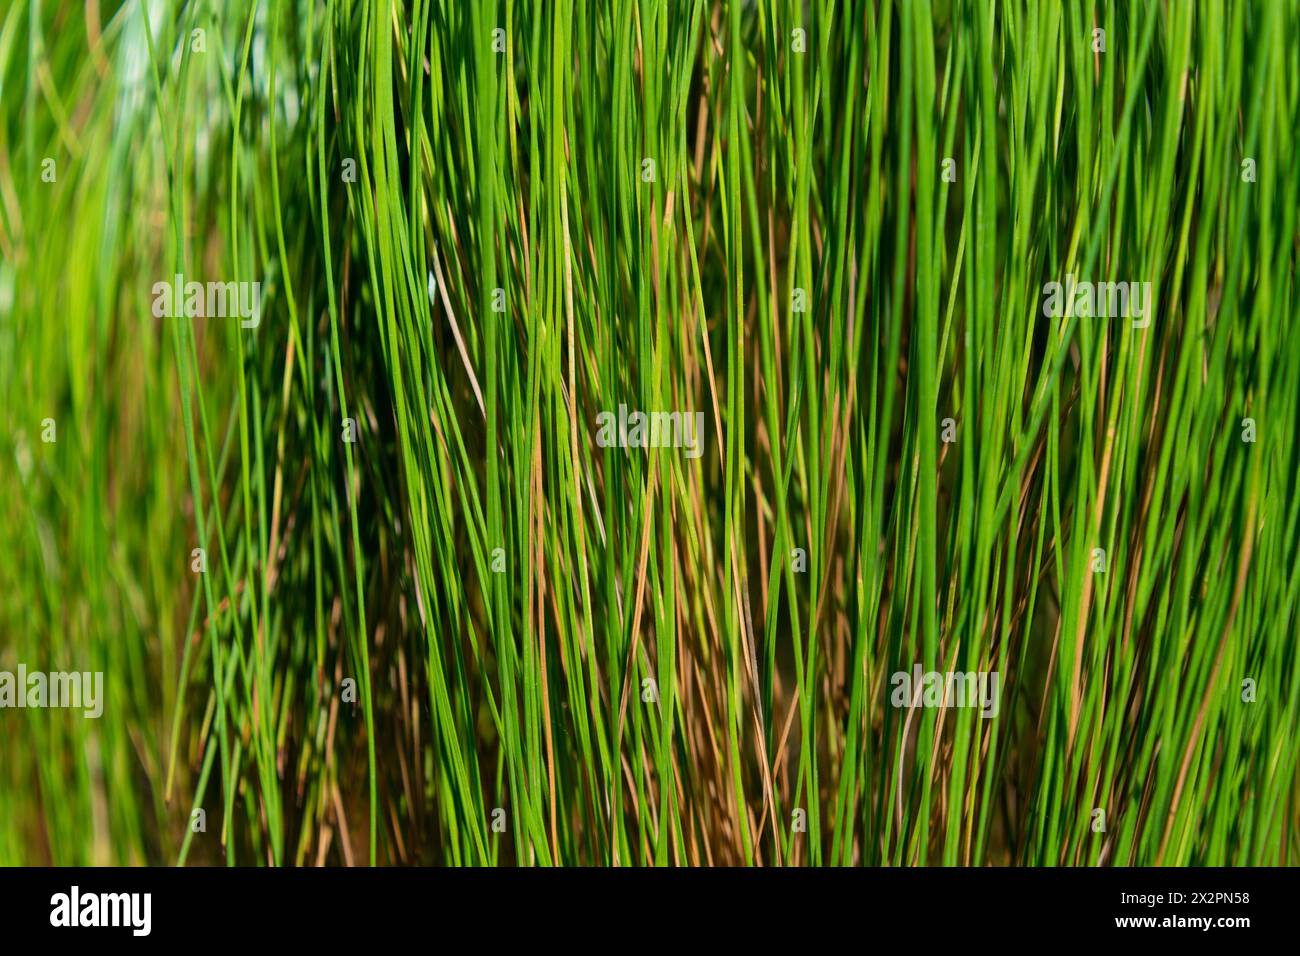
(641, 656)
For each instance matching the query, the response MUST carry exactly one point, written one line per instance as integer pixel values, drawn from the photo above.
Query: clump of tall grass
(366, 588)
